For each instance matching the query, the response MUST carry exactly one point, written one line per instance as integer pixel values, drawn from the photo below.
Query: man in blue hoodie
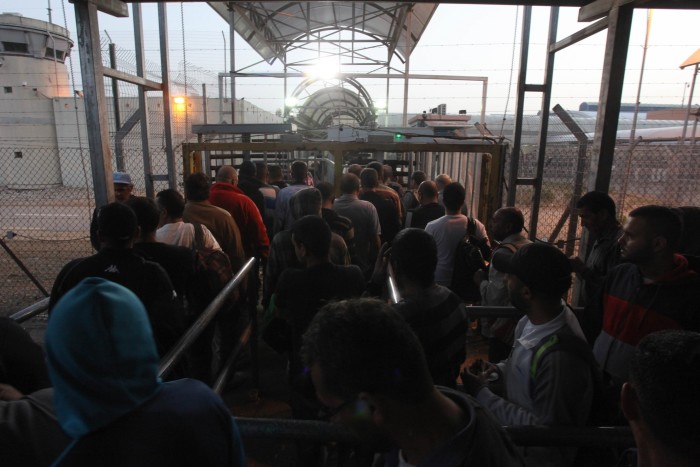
(108, 397)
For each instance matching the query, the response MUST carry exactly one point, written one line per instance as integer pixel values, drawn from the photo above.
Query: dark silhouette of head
(349, 184)
(172, 202)
(197, 187)
(414, 257)
(453, 196)
(147, 213)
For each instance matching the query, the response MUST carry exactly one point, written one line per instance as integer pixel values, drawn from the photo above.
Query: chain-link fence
(46, 200)
(44, 218)
(46, 203)
(647, 173)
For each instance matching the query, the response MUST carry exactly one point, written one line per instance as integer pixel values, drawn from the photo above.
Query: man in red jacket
(226, 195)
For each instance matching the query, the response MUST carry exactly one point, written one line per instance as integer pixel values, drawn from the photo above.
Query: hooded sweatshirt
(633, 309)
(108, 397)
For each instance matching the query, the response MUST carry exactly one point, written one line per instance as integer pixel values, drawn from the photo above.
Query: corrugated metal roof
(272, 27)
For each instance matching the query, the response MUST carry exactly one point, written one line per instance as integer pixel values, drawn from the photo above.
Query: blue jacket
(108, 397)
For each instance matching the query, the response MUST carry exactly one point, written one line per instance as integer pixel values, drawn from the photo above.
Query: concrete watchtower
(33, 78)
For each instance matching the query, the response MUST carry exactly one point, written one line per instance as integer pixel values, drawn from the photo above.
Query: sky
(463, 40)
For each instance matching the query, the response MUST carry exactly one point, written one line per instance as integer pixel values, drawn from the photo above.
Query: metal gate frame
(489, 186)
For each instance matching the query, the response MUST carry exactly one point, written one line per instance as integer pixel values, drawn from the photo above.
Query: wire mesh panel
(44, 223)
(645, 173)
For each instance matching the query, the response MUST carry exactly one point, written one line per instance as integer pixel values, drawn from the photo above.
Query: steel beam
(251, 128)
(616, 47)
(120, 75)
(232, 52)
(336, 146)
(167, 101)
(580, 35)
(95, 100)
(546, 90)
(519, 108)
(143, 102)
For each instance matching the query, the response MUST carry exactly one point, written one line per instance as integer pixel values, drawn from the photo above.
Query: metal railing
(325, 432)
(479, 311)
(174, 355)
(394, 295)
(31, 311)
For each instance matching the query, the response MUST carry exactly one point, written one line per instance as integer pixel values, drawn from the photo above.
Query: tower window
(16, 47)
(50, 53)
(8, 89)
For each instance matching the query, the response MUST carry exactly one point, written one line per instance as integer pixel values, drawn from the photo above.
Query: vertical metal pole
(386, 111)
(221, 97)
(641, 78)
(143, 101)
(95, 101)
(614, 63)
(285, 107)
(520, 105)
(232, 51)
(544, 121)
(407, 69)
(204, 103)
(224, 36)
(484, 91)
(167, 101)
(690, 104)
(115, 87)
(115, 104)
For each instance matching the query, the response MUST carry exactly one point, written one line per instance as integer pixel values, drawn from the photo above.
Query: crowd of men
(392, 370)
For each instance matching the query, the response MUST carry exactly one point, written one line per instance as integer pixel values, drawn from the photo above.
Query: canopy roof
(272, 27)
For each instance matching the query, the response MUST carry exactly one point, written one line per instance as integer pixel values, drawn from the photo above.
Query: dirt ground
(44, 229)
(43, 259)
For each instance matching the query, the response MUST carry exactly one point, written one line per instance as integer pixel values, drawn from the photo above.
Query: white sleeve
(480, 230)
(209, 240)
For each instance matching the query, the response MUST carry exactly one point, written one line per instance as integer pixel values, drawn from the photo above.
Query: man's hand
(9, 393)
(477, 376)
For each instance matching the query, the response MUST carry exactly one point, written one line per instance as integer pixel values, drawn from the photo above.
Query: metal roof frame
(272, 28)
(401, 30)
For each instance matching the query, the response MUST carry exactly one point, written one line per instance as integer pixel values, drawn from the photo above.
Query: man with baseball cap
(123, 186)
(548, 377)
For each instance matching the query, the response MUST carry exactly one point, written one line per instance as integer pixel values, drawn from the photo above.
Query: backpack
(601, 413)
(469, 258)
(212, 269)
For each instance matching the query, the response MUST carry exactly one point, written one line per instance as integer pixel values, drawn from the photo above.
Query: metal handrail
(172, 357)
(31, 311)
(478, 311)
(221, 380)
(391, 281)
(325, 432)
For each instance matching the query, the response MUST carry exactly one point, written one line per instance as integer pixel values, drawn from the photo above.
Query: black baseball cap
(116, 221)
(540, 266)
